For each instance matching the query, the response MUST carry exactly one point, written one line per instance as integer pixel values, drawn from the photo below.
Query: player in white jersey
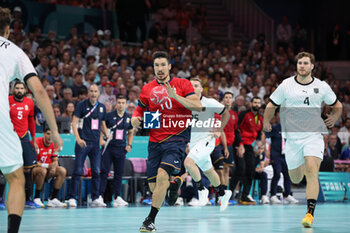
(15, 64)
(203, 143)
(300, 99)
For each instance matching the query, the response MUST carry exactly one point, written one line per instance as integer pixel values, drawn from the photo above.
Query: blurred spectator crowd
(67, 67)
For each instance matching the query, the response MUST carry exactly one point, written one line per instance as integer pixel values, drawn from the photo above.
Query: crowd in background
(67, 67)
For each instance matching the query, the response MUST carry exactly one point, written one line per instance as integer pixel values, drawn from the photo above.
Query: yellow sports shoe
(307, 221)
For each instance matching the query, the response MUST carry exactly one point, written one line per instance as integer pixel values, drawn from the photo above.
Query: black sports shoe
(148, 226)
(173, 191)
(247, 200)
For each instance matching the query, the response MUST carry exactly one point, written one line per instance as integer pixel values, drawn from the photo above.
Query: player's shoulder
(319, 82)
(39, 141)
(180, 81)
(147, 87)
(12, 49)
(28, 101)
(11, 99)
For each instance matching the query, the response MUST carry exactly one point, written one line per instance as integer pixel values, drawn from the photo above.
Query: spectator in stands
(66, 76)
(109, 106)
(90, 77)
(93, 49)
(107, 94)
(43, 68)
(82, 95)
(131, 108)
(56, 111)
(344, 132)
(51, 93)
(48, 168)
(284, 33)
(53, 74)
(78, 84)
(331, 154)
(67, 97)
(133, 97)
(58, 86)
(119, 143)
(345, 155)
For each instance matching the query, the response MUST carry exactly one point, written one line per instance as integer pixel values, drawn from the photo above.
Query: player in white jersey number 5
(14, 63)
(300, 99)
(203, 143)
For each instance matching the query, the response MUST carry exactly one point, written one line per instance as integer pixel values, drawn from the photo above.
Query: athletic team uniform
(166, 146)
(22, 117)
(250, 126)
(203, 143)
(14, 64)
(46, 153)
(302, 125)
(231, 131)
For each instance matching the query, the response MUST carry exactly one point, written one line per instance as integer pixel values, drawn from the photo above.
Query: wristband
(130, 145)
(45, 165)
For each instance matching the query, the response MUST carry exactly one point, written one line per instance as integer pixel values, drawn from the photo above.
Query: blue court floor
(329, 218)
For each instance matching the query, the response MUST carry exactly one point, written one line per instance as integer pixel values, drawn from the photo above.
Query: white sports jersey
(14, 64)
(301, 104)
(205, 118)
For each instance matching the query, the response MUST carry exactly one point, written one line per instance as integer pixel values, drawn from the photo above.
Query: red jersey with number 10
(46, 153)
(173, 114)
(22, 116)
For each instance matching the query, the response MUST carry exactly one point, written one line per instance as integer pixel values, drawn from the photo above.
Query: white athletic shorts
(200, 153)
(10, 149)
(296, 150)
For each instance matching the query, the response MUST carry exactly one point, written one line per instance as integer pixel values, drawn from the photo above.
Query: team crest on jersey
(101, 109)
(233, 117)
(316, 90)
(26, 107)
(127, 120)
(50, 151)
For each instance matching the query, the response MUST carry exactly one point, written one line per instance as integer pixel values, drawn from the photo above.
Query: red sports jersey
(250, 126)
(230, 128)
(46, 153)
(172, 112)
(22, 116)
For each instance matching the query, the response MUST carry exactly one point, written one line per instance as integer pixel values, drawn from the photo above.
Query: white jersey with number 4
(14, 63)
(301, 105)
(206, 117)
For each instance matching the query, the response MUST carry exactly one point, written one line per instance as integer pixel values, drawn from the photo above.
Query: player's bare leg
(162, 184)
(296, 175)
(312, 166)
(39, 174)
(15, 199)
(60, 175)
(225, 175)
(192, 168)
(159, 190)
(224, 195)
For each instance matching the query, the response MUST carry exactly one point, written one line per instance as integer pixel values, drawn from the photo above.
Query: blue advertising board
(334, 186)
